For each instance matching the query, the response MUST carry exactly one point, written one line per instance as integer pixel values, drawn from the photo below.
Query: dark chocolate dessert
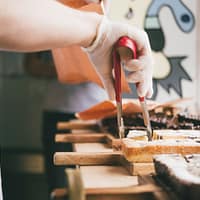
(158, 121)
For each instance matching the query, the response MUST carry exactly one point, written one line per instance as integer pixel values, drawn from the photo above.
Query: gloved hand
(100, 54)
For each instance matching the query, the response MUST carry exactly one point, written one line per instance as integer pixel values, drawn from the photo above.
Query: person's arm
(31, 25)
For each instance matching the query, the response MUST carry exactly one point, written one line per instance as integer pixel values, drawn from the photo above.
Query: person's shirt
(72, 98)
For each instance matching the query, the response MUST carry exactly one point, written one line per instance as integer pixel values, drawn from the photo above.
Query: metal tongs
(127, 45)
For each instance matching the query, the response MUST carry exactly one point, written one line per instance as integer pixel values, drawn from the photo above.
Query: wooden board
(137, 168)
(92, 147)
(114, 182)
(86, 158)
(104, 170)
(144, 192)
(107, 177)
(100, 154)
(81, 137)
(78, 124)
(96, 149)
(166, 192)
(88, 137)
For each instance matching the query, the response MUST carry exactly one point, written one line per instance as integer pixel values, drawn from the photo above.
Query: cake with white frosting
(181, 173)
(143, 151)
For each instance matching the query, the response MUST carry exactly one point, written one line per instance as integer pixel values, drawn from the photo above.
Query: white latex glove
(100, 54)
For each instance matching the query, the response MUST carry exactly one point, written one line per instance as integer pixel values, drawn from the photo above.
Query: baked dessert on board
(143, 151)
(181, 173)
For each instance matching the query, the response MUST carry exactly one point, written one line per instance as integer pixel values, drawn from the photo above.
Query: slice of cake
(137, 135)
(182, 174)
(143, 151)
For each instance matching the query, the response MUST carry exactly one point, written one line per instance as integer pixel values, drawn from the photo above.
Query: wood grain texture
(164, 194)
(144, 192)
(84, 138)
(107, 177)
(86, 158)
(75, 187)
(111, 182)
(78, 124)
(92, 147)
(137, 168)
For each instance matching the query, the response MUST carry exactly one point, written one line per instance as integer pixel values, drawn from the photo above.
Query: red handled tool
(122, 46)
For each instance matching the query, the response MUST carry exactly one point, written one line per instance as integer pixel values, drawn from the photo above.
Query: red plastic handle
(131, 45)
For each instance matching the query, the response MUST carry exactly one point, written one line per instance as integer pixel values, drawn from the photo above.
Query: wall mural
(169, 71)
(173, 71)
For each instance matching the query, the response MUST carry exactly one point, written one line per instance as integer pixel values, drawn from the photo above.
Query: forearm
(33, 25)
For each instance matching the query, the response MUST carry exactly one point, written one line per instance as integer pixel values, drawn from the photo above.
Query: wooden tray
(87, 137)
(103, 173)
(106, 184)
(78, 124)
(96, 149)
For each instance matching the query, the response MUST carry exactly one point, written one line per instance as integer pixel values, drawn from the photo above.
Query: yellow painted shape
(162, 66)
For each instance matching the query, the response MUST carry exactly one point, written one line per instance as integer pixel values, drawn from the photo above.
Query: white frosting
(166, 142)
(178, 167)
(179, 133)
(136, 133)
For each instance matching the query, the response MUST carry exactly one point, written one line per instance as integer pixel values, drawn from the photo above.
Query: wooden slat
(84, 138)
(86, 158)
(137, 168)
(107, 177)
(106, 138)
(124, 190)
(143, 192)
(78, 124)
(112, 141)
(97, 147)
(127, 190)
(92, 147)
(142, 168)
(165, 194)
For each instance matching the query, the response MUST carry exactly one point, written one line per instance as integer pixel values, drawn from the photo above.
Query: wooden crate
(104, 173)
(97, 149)
(109, 186)
(78, 125)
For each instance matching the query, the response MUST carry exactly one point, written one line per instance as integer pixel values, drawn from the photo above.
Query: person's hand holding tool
(100, 54)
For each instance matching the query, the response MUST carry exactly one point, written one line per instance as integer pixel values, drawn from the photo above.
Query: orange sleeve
(72, 64)
(73, 3)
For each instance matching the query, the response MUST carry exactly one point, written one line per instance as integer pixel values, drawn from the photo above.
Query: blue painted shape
(182, 14)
